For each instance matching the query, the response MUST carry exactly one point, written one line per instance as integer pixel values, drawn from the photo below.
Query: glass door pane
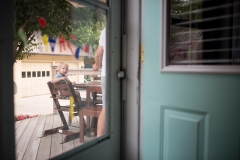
(59, 41)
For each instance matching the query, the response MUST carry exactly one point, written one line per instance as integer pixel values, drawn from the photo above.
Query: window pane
(38, 73)
(33, 73)
(23, 74)
(65, 32)
(29, 74)
(43, 73)
(204, 32)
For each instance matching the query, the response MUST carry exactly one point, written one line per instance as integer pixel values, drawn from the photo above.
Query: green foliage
(87, 24)
(57, 14)
(62, 19)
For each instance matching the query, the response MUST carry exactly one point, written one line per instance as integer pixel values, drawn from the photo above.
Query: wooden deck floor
(30, 146)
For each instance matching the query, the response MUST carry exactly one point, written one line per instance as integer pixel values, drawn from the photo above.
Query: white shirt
(102, 42)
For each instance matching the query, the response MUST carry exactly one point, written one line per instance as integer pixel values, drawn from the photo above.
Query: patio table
(93, 87)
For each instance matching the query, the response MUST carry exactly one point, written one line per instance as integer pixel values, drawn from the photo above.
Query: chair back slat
(65, 93)
(62, 89)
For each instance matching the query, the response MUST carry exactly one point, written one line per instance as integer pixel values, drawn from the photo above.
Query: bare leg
(101, 127)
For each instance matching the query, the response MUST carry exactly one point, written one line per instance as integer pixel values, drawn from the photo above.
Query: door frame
(7, 137)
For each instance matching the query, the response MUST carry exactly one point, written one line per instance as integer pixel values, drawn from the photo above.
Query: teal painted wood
(217, 95)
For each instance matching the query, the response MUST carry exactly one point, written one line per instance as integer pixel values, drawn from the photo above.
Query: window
(23, 74)
(43, 73)
(28, 74)
(201, 36)
(48, 73)
(38, 73)
(33, 73)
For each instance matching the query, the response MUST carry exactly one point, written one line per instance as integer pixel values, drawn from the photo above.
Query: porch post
(54, 71)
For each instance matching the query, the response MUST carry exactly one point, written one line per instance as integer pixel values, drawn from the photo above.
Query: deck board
(30, 145)
(33, 145)
(20, 130)
(17, 123)
(69, 145)
(56, 147)
(23, 142)
(45, 142)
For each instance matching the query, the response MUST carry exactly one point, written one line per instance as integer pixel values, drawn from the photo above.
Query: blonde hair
(62, 63)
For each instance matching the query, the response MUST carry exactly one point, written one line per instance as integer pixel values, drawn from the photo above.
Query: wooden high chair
(63, 90)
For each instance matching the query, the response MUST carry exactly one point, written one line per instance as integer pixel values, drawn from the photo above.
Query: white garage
(34, 78)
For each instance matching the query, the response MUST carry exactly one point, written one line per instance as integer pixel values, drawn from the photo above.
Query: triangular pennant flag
(77, 52)
(61, 43)
(22, 36)
(86, 48)
(45, 41)
(52, 42)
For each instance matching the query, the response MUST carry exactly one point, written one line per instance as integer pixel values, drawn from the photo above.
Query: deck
(30, 146)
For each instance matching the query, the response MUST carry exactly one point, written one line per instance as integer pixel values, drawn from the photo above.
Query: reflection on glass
(59, 29)
(204, 33)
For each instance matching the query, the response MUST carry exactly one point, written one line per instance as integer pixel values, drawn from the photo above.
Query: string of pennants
(45, 39)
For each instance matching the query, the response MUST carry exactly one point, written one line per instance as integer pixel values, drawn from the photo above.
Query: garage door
(34, 78)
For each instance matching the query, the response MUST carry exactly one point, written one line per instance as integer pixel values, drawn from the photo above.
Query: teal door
(185, 116)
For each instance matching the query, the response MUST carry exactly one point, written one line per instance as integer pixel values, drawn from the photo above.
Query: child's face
(63, 69)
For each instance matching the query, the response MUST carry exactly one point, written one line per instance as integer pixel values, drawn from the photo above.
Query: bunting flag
(77, 52)
(42, 22)
(61, 43)
(22, 36)
(52, 42)
(71, 110)
(45, 41)
(85, 48)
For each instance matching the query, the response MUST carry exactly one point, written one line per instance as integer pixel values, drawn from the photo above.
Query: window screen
(203, 32)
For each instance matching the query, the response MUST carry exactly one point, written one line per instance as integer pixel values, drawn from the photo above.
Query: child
(61, 75)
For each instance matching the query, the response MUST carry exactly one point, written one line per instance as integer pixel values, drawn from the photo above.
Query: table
(95, 88)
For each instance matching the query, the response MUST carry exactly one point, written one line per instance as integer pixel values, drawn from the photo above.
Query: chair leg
(81, 119)
(88, 125)
(69, 120)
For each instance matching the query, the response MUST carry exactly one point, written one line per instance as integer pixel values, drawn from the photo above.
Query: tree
(57, 14)
(62, 19)
(87, 24)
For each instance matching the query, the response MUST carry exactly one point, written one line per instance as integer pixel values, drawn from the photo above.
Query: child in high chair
(61, 75)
